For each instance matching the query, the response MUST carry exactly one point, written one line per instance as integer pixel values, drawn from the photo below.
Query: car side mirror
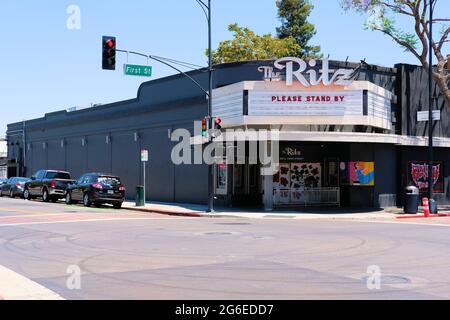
(33, 178)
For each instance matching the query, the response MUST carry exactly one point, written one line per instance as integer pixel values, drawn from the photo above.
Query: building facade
(346, 135)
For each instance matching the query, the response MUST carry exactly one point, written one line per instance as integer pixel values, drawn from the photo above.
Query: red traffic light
(217, 123)
(109, 53)
(110, 43)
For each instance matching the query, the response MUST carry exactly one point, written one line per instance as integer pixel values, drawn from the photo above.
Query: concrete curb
(200, 214)
(194, 214)
(166, 212)
(15, 286)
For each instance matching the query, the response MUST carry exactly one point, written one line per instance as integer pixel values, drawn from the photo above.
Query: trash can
(411, 200)
(433, 206)
(140, 201)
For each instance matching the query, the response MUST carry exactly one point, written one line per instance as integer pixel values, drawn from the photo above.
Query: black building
(348, 135)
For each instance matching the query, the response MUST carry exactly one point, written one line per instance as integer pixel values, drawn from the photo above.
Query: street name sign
(137, 70)
(423, 116)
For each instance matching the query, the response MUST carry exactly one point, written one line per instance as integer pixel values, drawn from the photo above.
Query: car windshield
(113, 181)
(58, 175)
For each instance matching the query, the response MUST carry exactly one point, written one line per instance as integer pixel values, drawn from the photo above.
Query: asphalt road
(127, 255)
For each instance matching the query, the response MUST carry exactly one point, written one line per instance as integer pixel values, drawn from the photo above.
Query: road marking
(36, 215)
(14, 286)
(404, 223)
(82, 220)
(19, 211)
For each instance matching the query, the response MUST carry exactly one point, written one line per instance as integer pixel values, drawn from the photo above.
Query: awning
(315, 136)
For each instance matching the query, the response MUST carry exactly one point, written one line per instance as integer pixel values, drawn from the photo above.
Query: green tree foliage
(246, 45)
(383, 16)
(294, 23)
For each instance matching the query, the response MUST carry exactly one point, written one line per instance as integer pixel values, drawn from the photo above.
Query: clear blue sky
(46, 67)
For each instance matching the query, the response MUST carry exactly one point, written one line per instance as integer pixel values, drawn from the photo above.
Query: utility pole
(210, 120)
(430, 109)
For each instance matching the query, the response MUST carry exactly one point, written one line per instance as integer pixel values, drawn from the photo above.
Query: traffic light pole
(430, 109)
(210, 167)
(208, 92)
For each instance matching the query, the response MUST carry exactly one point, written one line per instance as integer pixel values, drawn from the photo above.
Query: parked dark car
(50, 185)
(3, 181)
(13, 187)
(97, 189)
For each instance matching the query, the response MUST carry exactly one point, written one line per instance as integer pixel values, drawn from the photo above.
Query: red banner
(418, 175)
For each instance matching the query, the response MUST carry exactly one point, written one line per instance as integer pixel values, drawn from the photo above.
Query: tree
(294, 23)
(246, 45)
(416, 41)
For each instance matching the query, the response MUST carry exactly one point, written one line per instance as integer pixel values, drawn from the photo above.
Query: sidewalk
(193, 210)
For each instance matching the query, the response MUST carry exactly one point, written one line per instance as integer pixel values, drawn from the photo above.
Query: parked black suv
(50, 185)
(97, 189)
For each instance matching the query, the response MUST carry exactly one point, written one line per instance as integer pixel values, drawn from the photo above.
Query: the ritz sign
(296, 69)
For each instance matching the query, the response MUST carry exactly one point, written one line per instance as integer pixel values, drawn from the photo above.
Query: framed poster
(417, 175)
(306, 175)
(357, 173)
(221, 178)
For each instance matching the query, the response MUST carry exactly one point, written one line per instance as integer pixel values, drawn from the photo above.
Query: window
(57, 175)
(113, 181)
(40, 175)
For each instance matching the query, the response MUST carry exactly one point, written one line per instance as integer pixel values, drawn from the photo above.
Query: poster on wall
(281, 184)
(418, 175)
(304, 175)
(292, 179)
(357, 173)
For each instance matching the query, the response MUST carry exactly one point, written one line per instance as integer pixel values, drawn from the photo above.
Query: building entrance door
(247, 185)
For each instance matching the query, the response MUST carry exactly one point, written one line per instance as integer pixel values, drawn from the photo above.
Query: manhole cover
(234, 224)
(218, 233)
(393, 280)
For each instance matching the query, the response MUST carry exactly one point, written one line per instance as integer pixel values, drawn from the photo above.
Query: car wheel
(11, 194)
(86, 200)
(117, 205)
(68, 198)
(26, 194)
(45, 196)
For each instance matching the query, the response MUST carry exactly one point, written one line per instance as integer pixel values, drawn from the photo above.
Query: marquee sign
(305, 103)
(418, 175)
(296, 69)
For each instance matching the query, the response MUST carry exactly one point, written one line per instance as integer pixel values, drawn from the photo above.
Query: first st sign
(137, 70)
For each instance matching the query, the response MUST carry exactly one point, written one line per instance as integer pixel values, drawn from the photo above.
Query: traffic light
(204, 127)
(109, 53)
(217, 123)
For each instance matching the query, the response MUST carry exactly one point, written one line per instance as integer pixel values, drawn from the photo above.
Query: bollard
(426, 207)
